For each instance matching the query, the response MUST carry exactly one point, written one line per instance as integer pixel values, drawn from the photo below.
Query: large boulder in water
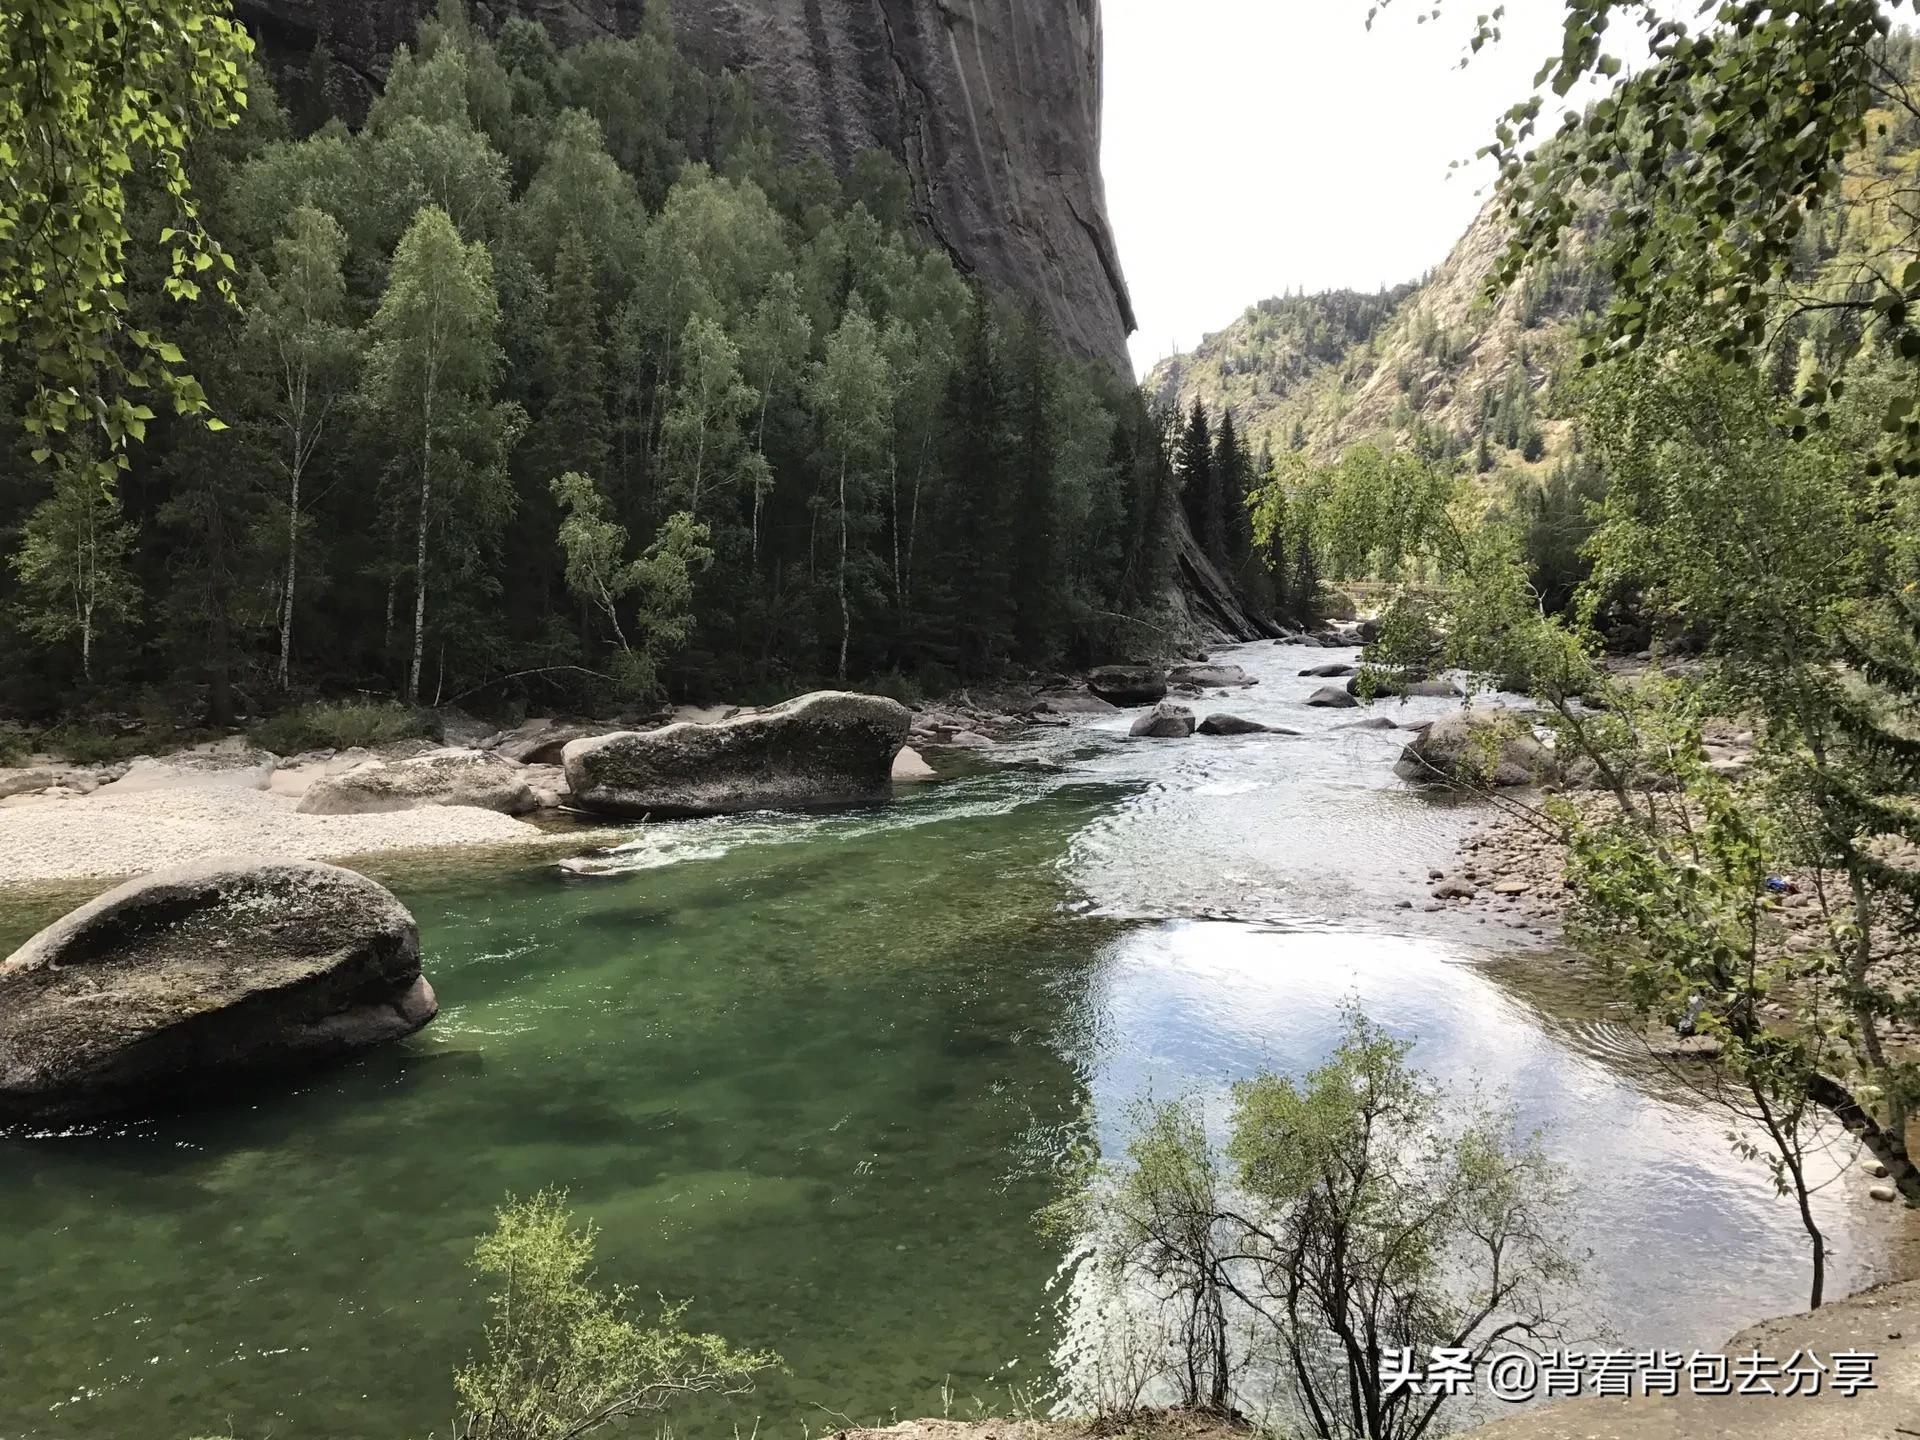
(194, 979)
(1477, 746)
(1166, 721)
(446, 777)
(1224, 724)
(1328, 698)
(1128, 684)
(825, 749)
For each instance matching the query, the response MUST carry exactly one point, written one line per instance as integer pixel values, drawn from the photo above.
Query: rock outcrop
(1128, 684)
(827, 749)
(191, 979)
(1483, 745)
(448, 777)
(994, 109)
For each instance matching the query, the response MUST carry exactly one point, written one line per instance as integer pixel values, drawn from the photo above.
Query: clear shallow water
(815, 1073)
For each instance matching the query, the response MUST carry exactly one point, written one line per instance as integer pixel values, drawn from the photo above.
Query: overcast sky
(1257, 146)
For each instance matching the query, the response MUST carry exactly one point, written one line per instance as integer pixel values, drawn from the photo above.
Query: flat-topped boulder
(1476, 746)
(1210, 676)
(828, 749)
(1224, 724)
(199, 979)
(1329, 698)
(446, 777)
(1128, 684)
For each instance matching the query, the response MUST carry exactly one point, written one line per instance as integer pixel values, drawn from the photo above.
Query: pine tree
(977, 564)
(1035, 574)
(574, 431)
(1194, 464)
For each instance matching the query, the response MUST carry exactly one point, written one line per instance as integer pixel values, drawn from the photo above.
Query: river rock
(445, 777)
(1223, 724)
(1128, 684)
(541, 742)
(1208, 676)
(1072, 702)
(189, 980)
(1166, 721)
(1372, 722)
(1328, 698)
(909, 767)
(826, 749)
(1481, 745)
(233, 763)
(1328, 672)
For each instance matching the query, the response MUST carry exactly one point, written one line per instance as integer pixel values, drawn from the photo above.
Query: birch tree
(431, 368)
(297, 328)
(849, 391)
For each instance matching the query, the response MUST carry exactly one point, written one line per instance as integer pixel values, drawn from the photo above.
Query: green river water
(815, 1073)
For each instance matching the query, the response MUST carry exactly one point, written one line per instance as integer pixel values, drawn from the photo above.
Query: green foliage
(565, 1357)
(72, 565)
(1355, 1214)
(91, 92)
(338, 725)
(534, 261)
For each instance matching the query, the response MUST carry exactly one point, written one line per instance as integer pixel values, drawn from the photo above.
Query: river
(815, 1073)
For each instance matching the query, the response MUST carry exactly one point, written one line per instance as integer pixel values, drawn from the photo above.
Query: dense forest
(560, 378)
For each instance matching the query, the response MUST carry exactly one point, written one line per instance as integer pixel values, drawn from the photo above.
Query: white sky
(1256, 146)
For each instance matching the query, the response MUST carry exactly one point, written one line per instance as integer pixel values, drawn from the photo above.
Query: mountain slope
(1436, 364)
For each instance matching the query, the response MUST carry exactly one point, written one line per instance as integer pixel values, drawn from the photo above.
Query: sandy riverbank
(107, 835)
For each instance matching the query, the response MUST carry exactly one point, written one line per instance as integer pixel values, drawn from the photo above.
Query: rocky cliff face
(993, 105)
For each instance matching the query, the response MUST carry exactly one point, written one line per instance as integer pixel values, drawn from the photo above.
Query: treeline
(559, 377)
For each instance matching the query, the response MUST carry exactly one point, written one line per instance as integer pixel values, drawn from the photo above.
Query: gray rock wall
(993, 105)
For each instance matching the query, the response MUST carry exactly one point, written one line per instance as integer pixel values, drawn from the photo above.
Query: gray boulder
(1223, 724)
(1372, 722)
(1481, 745)
(195, 979)
(541, 742)
(1128, 684)
(1329, 698)
(1328, 672)
(826, 749)
(445, 777)
(1072, 702)
(1210, 676)
(1166, 721)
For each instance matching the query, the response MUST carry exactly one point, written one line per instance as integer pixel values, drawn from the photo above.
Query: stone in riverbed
(1328, 698)
(1166, 721)
(909, 767)
(1885, 1194)
(1222, 724)
(1483, 745)
(827, 749)
(445, 777)
(1372, 722)
(1328, 672)
(1207, 676)
(192, 979)
(1128, 684)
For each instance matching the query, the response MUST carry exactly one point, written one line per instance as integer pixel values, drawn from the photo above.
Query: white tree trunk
(420, 546)
(846, 618)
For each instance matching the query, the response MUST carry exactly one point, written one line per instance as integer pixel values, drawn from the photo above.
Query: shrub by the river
(564, 1357)
(1352, 1217)
(339, 725)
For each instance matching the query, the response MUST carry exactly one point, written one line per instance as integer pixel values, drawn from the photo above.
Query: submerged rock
(1166, 721)
(825, 749)
(446, 777)
(1382, 684)
(1372, 722)
(1328, 672)
(1128, 684)
(1482, 745)
(190, 979)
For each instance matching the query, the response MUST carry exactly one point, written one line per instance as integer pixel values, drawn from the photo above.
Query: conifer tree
(574, 431)
(979, 533)
(1194, 464)
(1035, 593)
